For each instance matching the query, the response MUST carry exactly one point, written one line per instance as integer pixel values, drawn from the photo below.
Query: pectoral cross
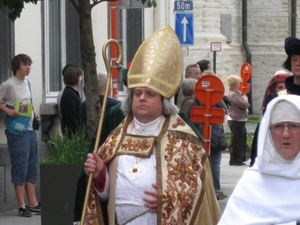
(134, 170)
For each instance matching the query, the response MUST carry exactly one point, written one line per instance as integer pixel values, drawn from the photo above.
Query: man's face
(295, 65)
(146, 105)
(195, 73)
(24, 69)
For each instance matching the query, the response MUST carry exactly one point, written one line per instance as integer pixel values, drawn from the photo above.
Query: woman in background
(70, 100)
(188, 87)
(237, 117)
(275, 85)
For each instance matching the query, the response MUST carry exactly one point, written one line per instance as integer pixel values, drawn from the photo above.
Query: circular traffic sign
(246, 71)
(209, 89)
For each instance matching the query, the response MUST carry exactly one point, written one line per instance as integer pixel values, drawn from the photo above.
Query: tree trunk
(88, 56)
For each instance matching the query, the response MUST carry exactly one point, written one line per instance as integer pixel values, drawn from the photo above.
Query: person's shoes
(24, 212)
(220, 195)
(36, 209)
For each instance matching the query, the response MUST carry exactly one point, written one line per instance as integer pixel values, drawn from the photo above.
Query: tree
(87, 48)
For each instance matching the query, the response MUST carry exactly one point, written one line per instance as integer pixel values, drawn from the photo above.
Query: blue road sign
(184, 27)
(183, 5)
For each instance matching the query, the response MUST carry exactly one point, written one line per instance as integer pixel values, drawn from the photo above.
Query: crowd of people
(275, 166)
(152, 167)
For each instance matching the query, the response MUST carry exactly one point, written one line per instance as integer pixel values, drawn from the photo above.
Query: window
(6, 44)
(54, 45)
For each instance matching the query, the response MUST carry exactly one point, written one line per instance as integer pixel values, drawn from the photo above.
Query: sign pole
(215, 61)
(215, 47)
(209, 90)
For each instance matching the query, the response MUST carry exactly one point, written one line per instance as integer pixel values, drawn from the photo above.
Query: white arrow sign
(184, 21)
(184, 27)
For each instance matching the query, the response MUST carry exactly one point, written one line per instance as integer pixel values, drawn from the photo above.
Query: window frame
(50, 96)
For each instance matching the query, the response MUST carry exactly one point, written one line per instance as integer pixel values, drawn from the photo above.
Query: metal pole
(246, 47)
(215, 61)
(294, 18)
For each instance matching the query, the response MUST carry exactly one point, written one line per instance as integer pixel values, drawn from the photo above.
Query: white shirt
(13, 90)
(130, 193)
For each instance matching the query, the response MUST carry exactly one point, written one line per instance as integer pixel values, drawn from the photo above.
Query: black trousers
(238, 142)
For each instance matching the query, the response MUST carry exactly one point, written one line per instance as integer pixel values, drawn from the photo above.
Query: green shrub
(253, 119)
(67, 150)
(249, 139)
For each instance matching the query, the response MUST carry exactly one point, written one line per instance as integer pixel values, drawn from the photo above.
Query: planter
(58, 189)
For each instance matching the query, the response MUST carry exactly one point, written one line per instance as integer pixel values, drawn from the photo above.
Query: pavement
(229, 178)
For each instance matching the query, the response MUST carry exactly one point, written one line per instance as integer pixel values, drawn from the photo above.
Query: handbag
(218, 142)
(17, 125)
(36, 123)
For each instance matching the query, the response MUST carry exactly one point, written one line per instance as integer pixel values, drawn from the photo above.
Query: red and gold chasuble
(185, 188)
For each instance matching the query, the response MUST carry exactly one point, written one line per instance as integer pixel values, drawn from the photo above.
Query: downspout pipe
(246, 47)
(294, 18)
(113, 48)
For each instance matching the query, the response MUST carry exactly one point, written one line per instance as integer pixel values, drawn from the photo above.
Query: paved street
(229, 177)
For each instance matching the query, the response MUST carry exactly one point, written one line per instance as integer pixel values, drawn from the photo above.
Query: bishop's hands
(93, 165)
(151, 202)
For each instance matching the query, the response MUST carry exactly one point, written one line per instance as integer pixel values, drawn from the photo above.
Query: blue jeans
(216, 157)
(23, 152)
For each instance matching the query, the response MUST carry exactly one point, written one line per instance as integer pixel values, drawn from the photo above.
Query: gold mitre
(158, 63)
